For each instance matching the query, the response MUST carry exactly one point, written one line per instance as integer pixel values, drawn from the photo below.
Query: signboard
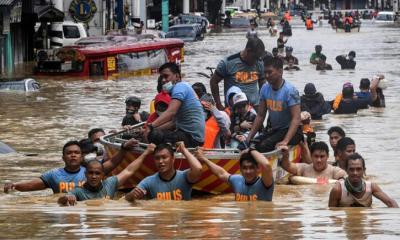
(151, 23)
(111, 66)
(82, 10)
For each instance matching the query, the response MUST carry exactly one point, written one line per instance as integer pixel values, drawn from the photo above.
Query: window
(71, 32)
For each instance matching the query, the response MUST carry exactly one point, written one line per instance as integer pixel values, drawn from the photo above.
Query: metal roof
(6, 2)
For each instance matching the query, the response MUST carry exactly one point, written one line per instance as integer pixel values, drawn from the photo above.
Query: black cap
(310, 89)
(133, 101)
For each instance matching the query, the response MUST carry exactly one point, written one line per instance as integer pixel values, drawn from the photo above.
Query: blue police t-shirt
(250, 192)
(178, 188)
(278, 104)
(62, 181)
(190, 117)
(108, 189)
(236, 72)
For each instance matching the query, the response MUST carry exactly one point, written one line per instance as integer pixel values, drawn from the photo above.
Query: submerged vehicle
(385, 18)
(20, 84)
(226, 158)
(110, 56)
(186, 32)
(239, 22)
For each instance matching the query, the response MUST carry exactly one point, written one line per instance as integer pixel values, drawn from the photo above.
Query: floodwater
(65, 109)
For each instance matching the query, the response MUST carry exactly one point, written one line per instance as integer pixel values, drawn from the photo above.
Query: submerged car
(24, 85)
(237, 22)
(186, 32)
(385, 17)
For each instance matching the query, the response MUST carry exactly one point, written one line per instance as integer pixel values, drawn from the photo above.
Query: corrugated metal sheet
(6, 2)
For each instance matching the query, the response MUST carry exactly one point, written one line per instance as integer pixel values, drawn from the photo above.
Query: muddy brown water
(66, 109)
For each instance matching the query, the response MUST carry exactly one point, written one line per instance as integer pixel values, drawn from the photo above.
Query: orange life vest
(337, 101)
(309, 24)
(211, 132)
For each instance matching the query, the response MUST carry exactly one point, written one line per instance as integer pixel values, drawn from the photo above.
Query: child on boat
(243, 116)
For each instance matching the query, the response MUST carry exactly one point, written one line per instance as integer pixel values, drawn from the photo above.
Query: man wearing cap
(217, 122)
(315, 57)
(244, 70)
(289, 57)
(347, 103)
(347, 62)
(314, 102)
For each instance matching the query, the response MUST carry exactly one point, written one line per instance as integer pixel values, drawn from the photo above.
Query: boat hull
(228, 159)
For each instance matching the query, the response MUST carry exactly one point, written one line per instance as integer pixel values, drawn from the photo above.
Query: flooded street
(65, 109)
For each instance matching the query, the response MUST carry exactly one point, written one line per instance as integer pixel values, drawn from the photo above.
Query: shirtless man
(319, 168)
(354, 191)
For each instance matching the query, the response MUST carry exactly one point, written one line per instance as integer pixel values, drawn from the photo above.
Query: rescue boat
(110, 56)
(209, 183)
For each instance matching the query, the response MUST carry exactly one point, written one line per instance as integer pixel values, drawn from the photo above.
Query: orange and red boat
(110, 56)
(226, 158)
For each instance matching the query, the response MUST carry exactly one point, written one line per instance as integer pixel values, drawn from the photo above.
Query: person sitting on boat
(252, 32)
(319, 168)
(217, 122)
(371, 93)
(95, 134)
(344, 148)
(347, 102)
(335, 133)
(97, 187)
(282, 101)
(281, 41)
(244, 70)
(316, 56)
(291, 66)
(72, 175)
(354, 191)
(289, 56)
(247, 186)
(347, 62)
(242, 119)
(184, 110)
(132, 116)
(322, 65)
(168, 183)
(314, 102)
(161, 103)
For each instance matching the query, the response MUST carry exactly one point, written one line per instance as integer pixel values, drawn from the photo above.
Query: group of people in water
(187, 116)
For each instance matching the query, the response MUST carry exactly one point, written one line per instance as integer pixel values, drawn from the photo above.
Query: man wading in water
(95, 187)
(168, 183)
(247, 186)
(244, 70)
(319, 168)
(72, 175)
(354, 191)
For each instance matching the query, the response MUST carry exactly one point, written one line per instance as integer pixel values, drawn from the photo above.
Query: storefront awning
(48, 14)
(6, 2)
